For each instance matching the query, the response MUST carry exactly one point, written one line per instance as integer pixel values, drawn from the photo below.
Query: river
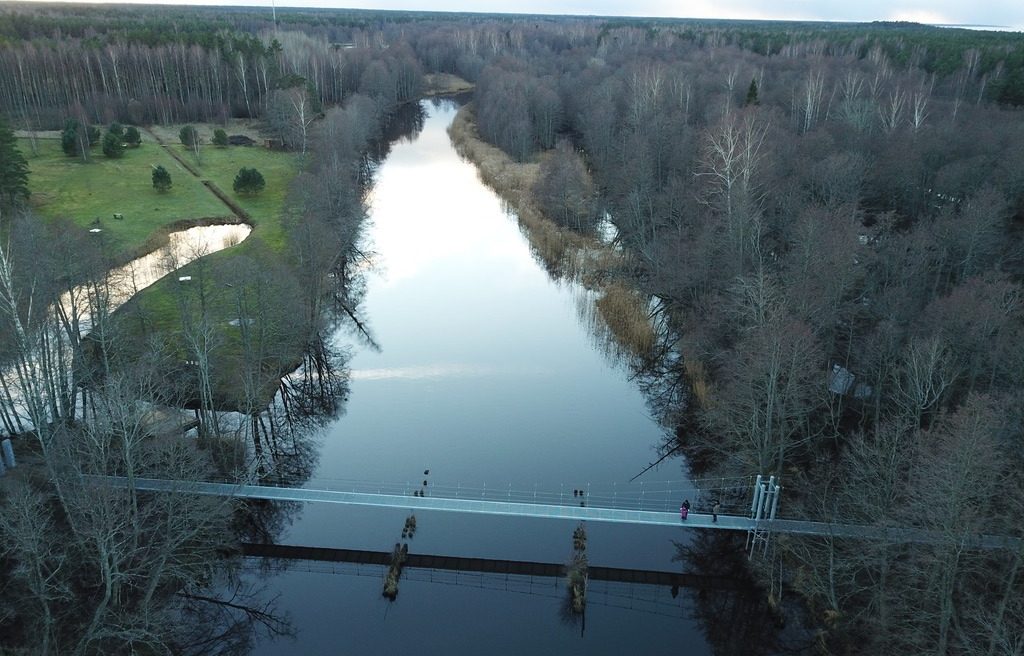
(487, 374)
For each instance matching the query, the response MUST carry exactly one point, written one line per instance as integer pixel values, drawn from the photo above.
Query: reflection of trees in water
(404, 126)
(283, 436)
(232, 622)
(734, 621)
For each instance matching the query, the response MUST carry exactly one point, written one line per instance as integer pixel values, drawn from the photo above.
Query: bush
(132, 136)
(116, 128)
(249, 181)
(220, 137)
(189, 136)
(161, 179)
(112, 145)
(69, 138)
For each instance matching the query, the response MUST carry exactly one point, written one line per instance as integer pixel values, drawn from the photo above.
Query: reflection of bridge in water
(491, 566)
(652, 600)
(654, 593)
(585, 506)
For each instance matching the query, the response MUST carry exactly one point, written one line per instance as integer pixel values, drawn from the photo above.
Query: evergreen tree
(161, 179)
(116, 128)
(132, 136)
(112, 145)
(189, 136)
(76, 139)
(220, 137)
(249, 181)
(69, 138)
(13, 168)
(752, 98)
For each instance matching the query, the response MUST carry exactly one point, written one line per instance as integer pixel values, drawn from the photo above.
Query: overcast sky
(1004, 13)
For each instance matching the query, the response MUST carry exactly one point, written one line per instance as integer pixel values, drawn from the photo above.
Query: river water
(487, 374)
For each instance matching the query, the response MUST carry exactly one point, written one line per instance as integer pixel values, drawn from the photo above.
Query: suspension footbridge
(581, 506)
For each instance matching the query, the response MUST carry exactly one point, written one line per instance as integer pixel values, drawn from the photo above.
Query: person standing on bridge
(684, 509)
(714, 510)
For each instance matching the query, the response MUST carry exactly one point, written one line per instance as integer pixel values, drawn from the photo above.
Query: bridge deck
(557, 511)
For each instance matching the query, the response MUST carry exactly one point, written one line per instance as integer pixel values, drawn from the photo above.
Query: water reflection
(741, 621)
(182, 247)
(484, 374)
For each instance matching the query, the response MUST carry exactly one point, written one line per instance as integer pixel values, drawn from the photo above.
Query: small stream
(182, 247)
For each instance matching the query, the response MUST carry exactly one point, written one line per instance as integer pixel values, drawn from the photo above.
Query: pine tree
(69, 138)
(112, 145)
(220, 137)
(249, 181)
(752, 98)
(13, 168)
(161, 179)
(132, 136)
(189, 136)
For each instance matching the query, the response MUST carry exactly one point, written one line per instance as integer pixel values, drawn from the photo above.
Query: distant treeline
(165, 65)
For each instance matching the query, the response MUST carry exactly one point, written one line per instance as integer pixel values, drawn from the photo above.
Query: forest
(825, 222)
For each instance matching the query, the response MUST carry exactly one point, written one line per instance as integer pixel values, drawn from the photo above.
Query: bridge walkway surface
(581, 511)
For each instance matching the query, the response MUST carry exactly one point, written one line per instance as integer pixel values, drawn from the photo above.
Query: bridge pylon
(763, 507)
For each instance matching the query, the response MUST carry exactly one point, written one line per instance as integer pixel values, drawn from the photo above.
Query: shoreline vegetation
(444, 84)
(598, 266)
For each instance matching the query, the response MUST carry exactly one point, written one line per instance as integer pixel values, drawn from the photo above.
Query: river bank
(596, 264)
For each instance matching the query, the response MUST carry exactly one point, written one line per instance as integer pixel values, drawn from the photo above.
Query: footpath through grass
(221, 165)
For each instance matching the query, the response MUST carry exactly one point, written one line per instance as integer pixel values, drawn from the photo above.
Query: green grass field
(66, 187)
(83, 192)
(220, 165)
(62, 186)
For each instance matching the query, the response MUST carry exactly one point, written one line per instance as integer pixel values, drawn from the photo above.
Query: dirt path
(235, 208)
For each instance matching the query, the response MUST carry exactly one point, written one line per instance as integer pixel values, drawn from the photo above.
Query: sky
(1006, 14)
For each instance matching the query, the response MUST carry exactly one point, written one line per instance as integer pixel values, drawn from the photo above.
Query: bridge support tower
(763, 507)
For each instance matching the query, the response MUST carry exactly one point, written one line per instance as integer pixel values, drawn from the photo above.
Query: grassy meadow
(87, 192)
(221, 165)
(91, 192)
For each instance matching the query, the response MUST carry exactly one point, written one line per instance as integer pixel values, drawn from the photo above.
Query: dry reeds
(555, 246)
(697, 374)
(624, 311)
(562, 251)
(440, 84)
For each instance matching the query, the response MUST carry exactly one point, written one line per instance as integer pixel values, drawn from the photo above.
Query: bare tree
(926, 372)
(290, 114)
(733, 152)
(890, 113)
(771, 385)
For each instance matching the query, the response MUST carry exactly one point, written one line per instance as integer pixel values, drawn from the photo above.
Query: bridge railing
(657, 496)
